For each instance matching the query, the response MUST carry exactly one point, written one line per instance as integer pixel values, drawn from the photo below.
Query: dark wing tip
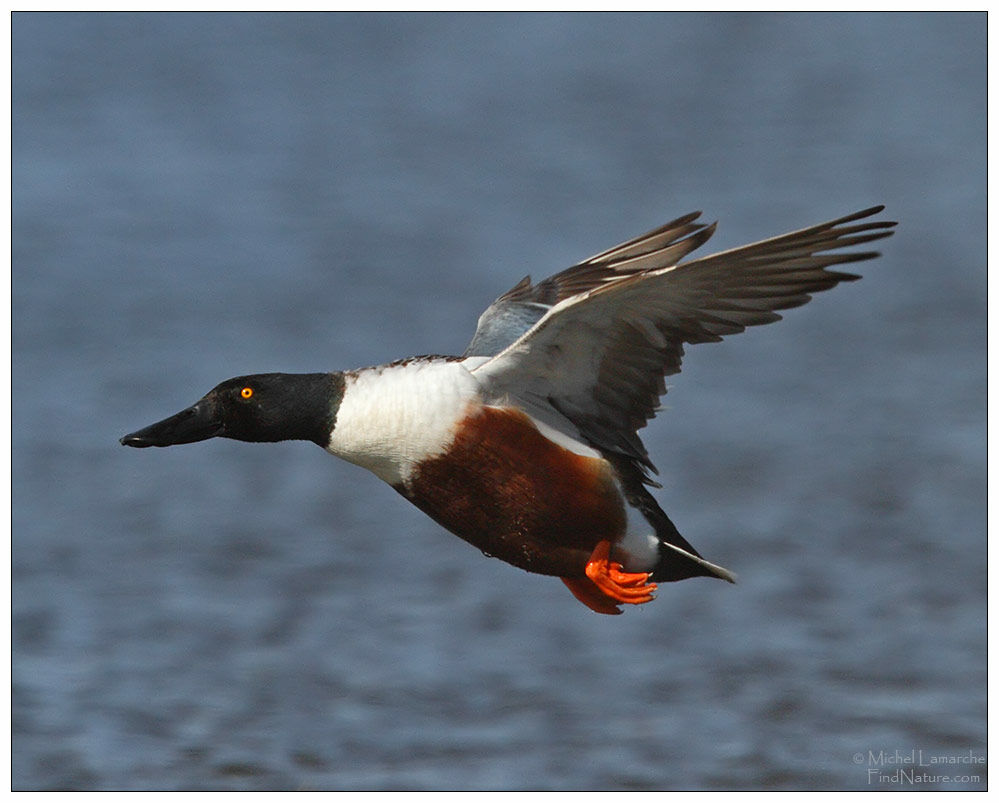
(521, 290)
(839, 224)
(873, 210)
(858, 256)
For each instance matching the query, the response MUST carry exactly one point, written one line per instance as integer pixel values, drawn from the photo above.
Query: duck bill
(197, 423)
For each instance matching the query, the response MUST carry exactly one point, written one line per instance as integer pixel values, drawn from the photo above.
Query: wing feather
(524, 304)
(607, 331)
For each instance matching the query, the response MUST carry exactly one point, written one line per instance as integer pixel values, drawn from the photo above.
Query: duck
(526, 445)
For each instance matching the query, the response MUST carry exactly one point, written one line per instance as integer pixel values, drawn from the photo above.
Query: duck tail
(677, 559)
(679, 564)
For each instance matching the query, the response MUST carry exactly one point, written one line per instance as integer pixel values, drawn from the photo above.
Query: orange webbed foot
(592, 597)
(632, 588)
(607, 584)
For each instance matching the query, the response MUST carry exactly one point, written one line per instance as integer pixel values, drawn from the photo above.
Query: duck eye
(246, 392)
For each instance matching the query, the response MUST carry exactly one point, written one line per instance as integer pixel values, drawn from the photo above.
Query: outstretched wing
(617, 323)
(523, 305)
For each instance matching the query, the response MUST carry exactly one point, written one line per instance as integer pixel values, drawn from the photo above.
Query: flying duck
(527, 445)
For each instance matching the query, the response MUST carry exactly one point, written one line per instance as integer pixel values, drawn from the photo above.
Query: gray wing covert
(504, 321)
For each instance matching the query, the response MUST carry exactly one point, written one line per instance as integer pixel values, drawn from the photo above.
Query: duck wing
(524, 304)
(593, 344)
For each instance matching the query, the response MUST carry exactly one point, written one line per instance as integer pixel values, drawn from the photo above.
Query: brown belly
(517, 496)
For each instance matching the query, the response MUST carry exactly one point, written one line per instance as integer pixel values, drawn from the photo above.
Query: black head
(264, 407)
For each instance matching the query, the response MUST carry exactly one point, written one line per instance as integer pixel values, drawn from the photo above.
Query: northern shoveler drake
(526, 445)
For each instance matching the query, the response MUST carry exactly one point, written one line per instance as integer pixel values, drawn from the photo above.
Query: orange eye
(246, 392)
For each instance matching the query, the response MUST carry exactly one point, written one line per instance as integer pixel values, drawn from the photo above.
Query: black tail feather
(678, 560)
(678, 564)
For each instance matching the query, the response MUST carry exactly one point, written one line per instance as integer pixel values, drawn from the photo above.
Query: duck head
(258, 408)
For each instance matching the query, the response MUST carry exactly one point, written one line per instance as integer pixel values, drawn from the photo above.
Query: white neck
(393, 416)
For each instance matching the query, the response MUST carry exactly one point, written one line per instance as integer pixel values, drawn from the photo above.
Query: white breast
(393, 416)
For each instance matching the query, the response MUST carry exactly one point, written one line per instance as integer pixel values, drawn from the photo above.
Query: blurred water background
(201, 196)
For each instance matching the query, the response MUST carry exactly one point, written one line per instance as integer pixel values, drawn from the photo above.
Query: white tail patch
(638, 551)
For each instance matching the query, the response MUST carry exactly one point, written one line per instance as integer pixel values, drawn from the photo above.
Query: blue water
(197, 196)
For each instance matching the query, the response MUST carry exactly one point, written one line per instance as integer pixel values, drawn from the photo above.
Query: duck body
(526, 445)
(484, 469)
